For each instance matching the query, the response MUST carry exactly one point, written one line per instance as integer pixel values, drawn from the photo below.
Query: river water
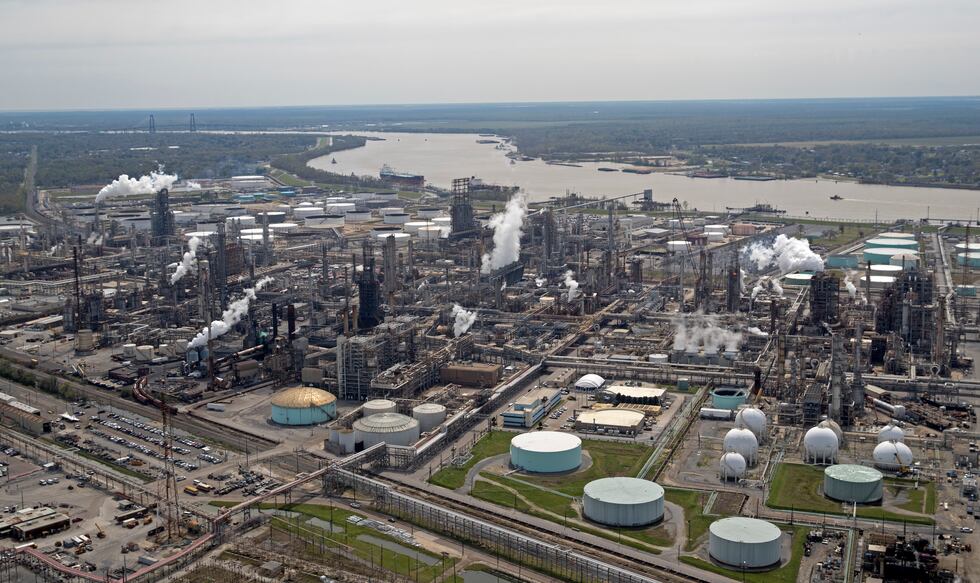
(442, 157)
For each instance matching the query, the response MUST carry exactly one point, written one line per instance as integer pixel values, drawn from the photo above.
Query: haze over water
(442, 157)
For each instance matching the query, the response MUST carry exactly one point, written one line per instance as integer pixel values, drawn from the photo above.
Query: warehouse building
(622, 421)
(471, 374)
(41, 526)
(530, 407)
(632, 394)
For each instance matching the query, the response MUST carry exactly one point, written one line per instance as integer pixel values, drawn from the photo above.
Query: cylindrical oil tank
(852, 483)
(797, 279)
(658, 358)
(398, 218)
(363, 195)
(971, 259)
(743, 442)
(85, 341)
(129, 350)
(678, 246)
(443, 221)
(302, 212)
(357, 216)
(896, 235)
(429, 415)
(877, 281)
(430, 234)
(390, 210)
(623, 501)
(283, 227)
(243, 221)
(185, 218)
(165, 350)
(879, 242)
(732, 466)
(144, 353)
(546, 452)
(340, 207)
(322, 221)
(883, 254)
(904, 260)
(719, 228)
(429, 212)
(967, 247)
(375, 406)
(390, 428)
(181, 345)
(401, 239)
(271, 217)
(386, 195)
(885, 269)
(742, 542)
(414, 226)
(728, 397)
(303, 406)
(743, 229)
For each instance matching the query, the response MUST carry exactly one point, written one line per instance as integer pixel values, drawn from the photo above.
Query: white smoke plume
(193, 185)
(572, 285)
(755, 331)
(787, 254)
(187, 262)
(539, 281)
(698, 330)
(463, 320)
(506, 234)
(741, 280)
(776, 287)
(92, 237)
(233, 315)
(851, 288)
(143, 185)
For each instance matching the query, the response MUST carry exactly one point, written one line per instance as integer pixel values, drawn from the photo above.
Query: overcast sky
(63, 54)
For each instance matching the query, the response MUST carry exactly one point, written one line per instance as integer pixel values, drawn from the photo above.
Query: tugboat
(333, 160)
(837, 197)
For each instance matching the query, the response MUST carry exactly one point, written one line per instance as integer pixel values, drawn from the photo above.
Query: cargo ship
(402, 178)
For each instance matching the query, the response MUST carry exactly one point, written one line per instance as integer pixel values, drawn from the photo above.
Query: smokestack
(275, 321)
(291, 321)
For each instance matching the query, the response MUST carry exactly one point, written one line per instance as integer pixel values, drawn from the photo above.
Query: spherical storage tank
(891, 432)
(375, 406)
(752, 419)
(820, 445)
(732, 466)
(546, 452)
(892, 455)
(390, 428)
(744, 542)
(303, 406)
(742, 442)
(852, 483)
(429, 415)
(623, 501)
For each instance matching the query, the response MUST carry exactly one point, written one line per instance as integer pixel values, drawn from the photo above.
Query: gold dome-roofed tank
(303, 406)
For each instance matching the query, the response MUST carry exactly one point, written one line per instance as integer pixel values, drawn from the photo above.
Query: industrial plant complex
(399, 383)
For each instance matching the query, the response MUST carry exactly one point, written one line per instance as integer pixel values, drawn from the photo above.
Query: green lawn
(924, 494)
(498, 495)
(799, 487)
(609, 458)
(692, 502)
(785, 574)
(402, 564)
(554, 503)
(491, 444)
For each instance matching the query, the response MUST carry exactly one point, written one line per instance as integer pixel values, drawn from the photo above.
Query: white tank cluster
(376, 406)
(754, 420)
(892, 455)
(891, 432)
(732, 466)
(429, 415)
(742, 442)
(820, 445)
(745, 542)
(390, 428)
(623, 501)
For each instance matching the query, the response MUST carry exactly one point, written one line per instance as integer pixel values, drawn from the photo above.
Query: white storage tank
(339, 207)
(743, 442)
(271, 217)
(443, 221)
(302, 212)
(852, 483)
(390, 210)
(752, 419)
(891, 432)
(878, 282)
(430, 235)
(623, 501)
(546, 452)
(714, 236)
(429, 415)
(892, 455)
(243, 221)
(732, 466)
(129, 350)
(399, 218)
(748, 543)
(658, 358)
(323, 221)
(283, 227)
(353, 216)
(401, 239)
(429, 212)
(144, 353)
(376, 406)
(718, 228)
(820, 445)
(678, 246)
(414, 226)
(390, 428)
(904, 260)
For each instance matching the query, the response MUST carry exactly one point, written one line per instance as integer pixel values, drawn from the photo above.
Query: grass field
(785, 574)
(554, 503)
(609, 458)
(692, 501)
(491, 444)
(402, 564)
(799, 487)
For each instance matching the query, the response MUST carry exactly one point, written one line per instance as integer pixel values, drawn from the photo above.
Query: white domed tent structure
(754, 420)
(891, 432)
(590, 382)
(742, 442)
(732, 466)
(820, 445)
(892, 455)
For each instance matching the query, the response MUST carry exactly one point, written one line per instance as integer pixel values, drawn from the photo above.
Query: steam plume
(786, 254)
(506, 234)
(755, 331)
(187, 263)
(142, 185)
(572, 285)
(193, 185)
(697, 330)
(464, 319)
(233, 315)
(539, 281)
(851, 288)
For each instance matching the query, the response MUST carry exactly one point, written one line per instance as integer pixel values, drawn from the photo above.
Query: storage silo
(623, 501)
(891, 432)
(390, 428)
(820, 445)
(742, 442)
(429, 212)
(892, 455)
(879, 242)
(303, 406)
(752, 419)
(852, 483)
(375, 406)
(398, 218)
(732, 466)
(742, 542)
(728, 397)
(429, 415)
(546, 452)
